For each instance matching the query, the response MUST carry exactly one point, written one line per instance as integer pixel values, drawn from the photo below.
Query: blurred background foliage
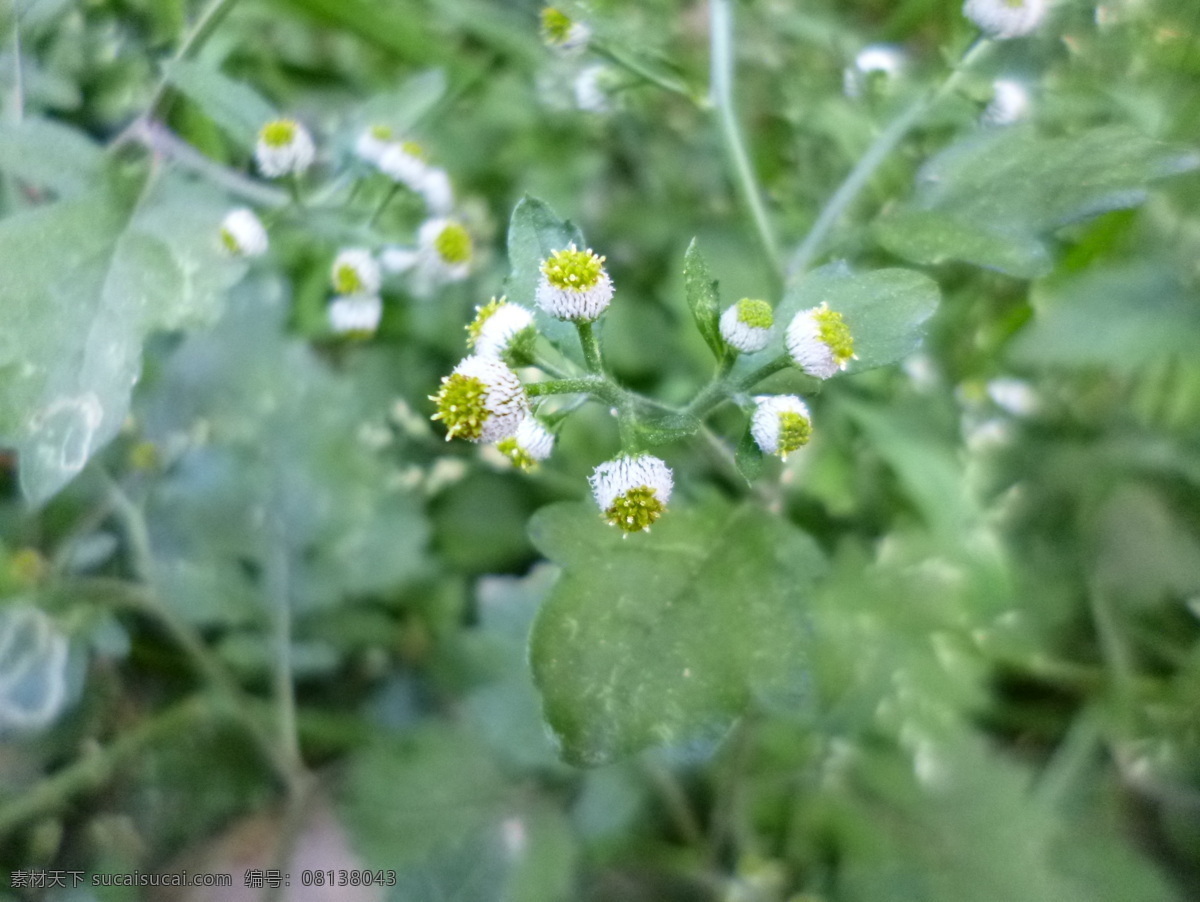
(983, 576)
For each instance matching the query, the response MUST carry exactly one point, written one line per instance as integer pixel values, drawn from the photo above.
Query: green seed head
(279, 133)
(635, 510)
(514, 452)
(462, 406)
(835, 334)
(453, 244)
(556, 25)
(795, 430)
(482, 315)
(573, 269)
(756, 314)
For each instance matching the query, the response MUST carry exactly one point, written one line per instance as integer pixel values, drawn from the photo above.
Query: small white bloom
(589, 88)
(495, 326)
(445, 248)
(1016, 396)
(396, 259)
(781, 424)
(436, 190)
(481, 401)
(1004, 19)
(564, 34)
(355, 271)
(574, 285)
(284, 148)
(242, 233)
(883, 60)
(632, 492)
(747, 325)
(403, 162)
(372, 142)
(355, 314)
(819, 341)
(1010, 103)
(531, 444)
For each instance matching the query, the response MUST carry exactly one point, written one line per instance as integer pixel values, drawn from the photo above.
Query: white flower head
(1010, 103)
(355, 271)
(591, 88)
(242, 233)
(819, 341)
(747, 325)
(284, 148)
(564, 34)
(529, 446)
(781, 424)
(1004, 19)
(496, 325)
(481, 401)
(404, 162)
(574, 285)
(632, 491)
(355, 315)
(436, 191)
(445, 247)
(371, 143)
(877, 61)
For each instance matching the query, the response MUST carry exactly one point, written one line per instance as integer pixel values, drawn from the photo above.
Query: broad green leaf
(233, 105)
(403, 108)
(85, 280)
(667, 637)
(886, 310)
(993, 198)
(46, 154)
(701, 290)
(534, 232)
(1122, 317)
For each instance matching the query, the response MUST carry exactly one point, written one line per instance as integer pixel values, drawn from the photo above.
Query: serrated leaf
(667, 637)
(234, 106)
(46, 154)
(886, 310)
(85, 281)
(701, 290)
(992, 198)
(534, 232)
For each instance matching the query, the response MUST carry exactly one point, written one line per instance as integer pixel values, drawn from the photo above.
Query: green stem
(870, 161)
(383, 204)
(94, 769)
(285, 690)
(721, 91)
(634, 67)
(591, 348)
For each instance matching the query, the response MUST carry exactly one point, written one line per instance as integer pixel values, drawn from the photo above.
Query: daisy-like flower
(574, 285)
(496, 325)
(531, 444)
(875, 61)
(446, 245)
(436, 191)
(481, 401)
(781, 424)
(591, 88)
(242, 233)
(372, 142)
(1004, 19)
(355, 315)
(561, 32)
(747, 324)
(1010, 103)
(284, 148)
(632, 492)
(819, 341)
(355, 271)
(404, 162)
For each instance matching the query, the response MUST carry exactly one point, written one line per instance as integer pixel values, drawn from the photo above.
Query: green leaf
(85, 280)
(749, 457)
(403, 108)
(657, 428)
(669, 636)
(46, 154)
(886, 310)
(701, 290)
(534, 232)
(992, 198)
(236, 107)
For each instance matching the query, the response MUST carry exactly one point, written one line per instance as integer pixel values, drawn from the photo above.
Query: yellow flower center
(279, 133)
(27, 566)
(556, 25)
(453, 244)
(229, 242)
(835, 334)
(413, 149)
(380, 132)
(794, 432)
(573, 269)
(482, 315)
(462, 406)
(756, 314)
(346, 280)
(514, 452)
(635, 510)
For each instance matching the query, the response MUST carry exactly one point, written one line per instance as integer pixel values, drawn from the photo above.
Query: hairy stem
(721, 92)
(591, 348)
